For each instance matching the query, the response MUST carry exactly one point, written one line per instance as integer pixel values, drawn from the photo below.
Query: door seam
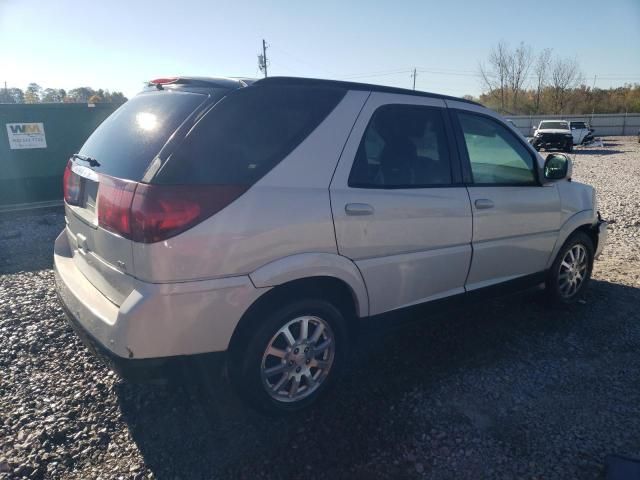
(466, 279)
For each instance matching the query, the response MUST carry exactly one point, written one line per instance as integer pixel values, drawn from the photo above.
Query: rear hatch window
(125, 143)
(247, 133)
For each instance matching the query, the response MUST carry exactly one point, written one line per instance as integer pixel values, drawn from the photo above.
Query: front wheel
(571, 270)
(293, 355)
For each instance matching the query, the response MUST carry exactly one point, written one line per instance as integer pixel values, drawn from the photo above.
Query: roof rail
(354, 86)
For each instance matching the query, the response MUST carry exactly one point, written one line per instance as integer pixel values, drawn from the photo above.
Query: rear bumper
(157, 325)
(148, 370)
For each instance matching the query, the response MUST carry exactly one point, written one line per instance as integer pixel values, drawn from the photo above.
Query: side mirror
(557, 166)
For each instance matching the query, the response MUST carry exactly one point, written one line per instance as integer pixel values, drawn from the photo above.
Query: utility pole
(262, 59)
(414, 75)
(593, 98)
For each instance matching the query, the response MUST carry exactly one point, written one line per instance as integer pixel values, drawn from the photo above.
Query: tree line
(521, 81)
(34, 93)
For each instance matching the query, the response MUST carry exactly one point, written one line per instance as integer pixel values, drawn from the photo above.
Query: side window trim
(466, 160)
(461, 148)
(455, 162)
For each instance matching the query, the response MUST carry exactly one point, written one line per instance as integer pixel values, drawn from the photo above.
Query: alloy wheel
(573, 270)
(298, 359)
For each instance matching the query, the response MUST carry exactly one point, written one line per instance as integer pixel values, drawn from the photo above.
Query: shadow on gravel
(598, 151)
(375, 408)
(26, 239)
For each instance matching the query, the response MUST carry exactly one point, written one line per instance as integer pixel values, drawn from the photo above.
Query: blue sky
(120, 44)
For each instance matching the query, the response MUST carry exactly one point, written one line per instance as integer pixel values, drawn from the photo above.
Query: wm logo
(25, 128)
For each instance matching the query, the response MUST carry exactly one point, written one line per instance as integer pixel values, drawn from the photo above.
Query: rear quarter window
(247, 133)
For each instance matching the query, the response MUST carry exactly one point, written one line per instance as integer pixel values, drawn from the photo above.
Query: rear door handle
(483, 203)
(358, 209)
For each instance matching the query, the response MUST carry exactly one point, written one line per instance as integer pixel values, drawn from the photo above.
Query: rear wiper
(91, 161)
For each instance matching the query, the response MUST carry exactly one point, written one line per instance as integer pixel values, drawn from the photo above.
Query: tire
(568, 148)
(274, 393)
(578, 275)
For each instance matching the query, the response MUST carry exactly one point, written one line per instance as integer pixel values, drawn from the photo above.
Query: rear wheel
(571, 271)
(292, 356)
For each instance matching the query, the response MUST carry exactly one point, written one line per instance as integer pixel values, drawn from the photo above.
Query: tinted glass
(247, 133)
(496, 155)
(126, 142)
(403, 146)
(578, 125)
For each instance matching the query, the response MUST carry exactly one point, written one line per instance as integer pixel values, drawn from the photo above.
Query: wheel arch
(329, 288)
(581, 221)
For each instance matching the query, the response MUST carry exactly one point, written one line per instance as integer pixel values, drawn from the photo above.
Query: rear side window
(125, 143)
(495, 154)
(578, 125)
(247, 133)
(404, 146)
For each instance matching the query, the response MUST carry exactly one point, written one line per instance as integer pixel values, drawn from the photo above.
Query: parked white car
(260, 227)
(553, 134)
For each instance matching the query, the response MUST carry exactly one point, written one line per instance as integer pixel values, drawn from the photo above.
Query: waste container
(36, 140)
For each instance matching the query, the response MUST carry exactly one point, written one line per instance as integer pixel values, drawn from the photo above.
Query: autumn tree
(565, 75)
(518, 66)
(495, 75)
(33, 93)
(541, 72)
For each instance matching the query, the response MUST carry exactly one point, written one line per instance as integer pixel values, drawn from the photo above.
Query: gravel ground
(513, 389)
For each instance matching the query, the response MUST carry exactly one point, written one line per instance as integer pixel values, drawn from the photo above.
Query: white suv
(259, 225)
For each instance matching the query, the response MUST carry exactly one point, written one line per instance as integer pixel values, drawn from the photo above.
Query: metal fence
(35, 143)
(603, 124)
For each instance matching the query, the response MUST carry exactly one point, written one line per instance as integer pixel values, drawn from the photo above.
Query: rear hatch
(119, 153)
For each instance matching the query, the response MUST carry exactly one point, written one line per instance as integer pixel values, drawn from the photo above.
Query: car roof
(238, 82)
(300, 81)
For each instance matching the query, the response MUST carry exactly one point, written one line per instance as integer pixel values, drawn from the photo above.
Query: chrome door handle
(358, 209)
(483, 203)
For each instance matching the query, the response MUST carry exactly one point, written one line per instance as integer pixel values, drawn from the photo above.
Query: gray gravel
(512, 389)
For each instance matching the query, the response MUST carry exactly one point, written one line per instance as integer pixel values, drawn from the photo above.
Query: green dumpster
(36, 140)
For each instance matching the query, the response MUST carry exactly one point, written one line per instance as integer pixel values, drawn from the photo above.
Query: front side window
(495, 154)
(404, 146)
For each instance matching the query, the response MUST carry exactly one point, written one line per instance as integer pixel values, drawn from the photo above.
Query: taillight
(114, 204)
(71, 185)
(150, 213)
(159, 212)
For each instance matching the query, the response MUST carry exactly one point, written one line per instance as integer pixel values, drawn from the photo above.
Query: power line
(382, 73)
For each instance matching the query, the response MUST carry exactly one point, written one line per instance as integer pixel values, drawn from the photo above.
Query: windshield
(554, 126)
(124, 144)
